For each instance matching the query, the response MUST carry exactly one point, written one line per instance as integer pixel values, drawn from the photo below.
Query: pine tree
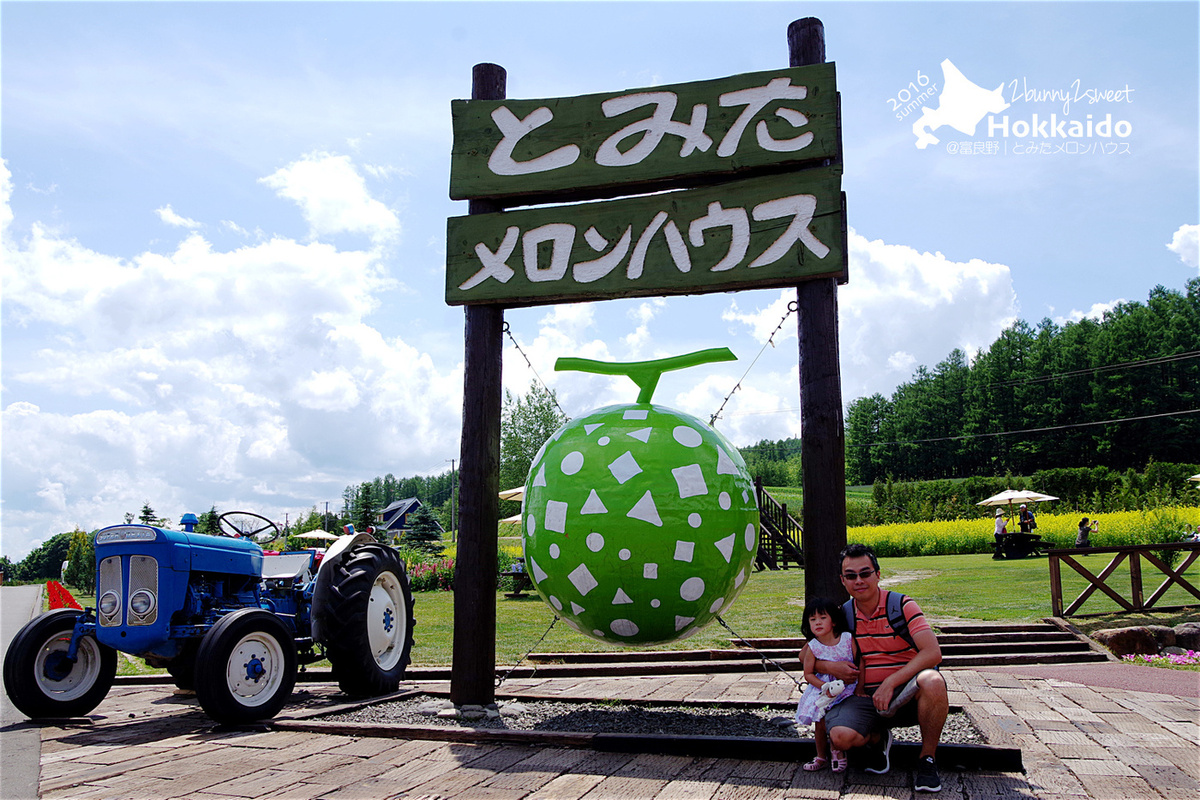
(81, 558)
(423, 532)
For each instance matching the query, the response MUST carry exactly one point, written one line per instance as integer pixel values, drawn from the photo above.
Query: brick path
(1077, 742)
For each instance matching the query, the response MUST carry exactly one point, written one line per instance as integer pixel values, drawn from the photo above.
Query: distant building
(394, 518)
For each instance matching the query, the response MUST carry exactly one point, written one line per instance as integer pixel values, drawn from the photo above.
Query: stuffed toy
(829, 691)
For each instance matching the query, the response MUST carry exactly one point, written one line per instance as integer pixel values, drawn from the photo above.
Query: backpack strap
(849, 613)
(896, 618)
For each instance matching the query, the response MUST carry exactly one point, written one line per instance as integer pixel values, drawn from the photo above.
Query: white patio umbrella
(515, 519)
(1010, 496)
(317, 535)
(1195, 478)
(513, 494)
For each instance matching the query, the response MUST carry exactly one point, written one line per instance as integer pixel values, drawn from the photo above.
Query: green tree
(147, 517)
(525, 425)
(209, 522)
(44, 562)
(365, 507)
(423, 532)
(81, 561)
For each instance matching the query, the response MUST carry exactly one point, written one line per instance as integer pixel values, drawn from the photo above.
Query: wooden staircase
(963, 646)
(779, 545)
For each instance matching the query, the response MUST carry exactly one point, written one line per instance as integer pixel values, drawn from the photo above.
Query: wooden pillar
(822, 435)
(472, 675)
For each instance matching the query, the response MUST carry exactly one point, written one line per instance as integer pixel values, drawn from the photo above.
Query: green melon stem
(645, 373)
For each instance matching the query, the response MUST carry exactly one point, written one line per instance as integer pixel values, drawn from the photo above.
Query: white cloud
(247, 378)
(333, 197)
(168, 215)
(900, 309)
(1096, 312)
(1186, 244)
(643, 313)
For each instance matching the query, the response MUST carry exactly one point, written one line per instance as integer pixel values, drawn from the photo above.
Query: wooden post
(822, 440)
(472, 675)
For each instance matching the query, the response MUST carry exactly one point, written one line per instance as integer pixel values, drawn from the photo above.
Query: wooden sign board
(645, 139)
(763, 232)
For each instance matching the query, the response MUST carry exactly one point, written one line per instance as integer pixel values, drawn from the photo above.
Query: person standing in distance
(900, 685)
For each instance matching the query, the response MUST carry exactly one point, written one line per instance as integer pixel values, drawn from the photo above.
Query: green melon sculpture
(640, 522)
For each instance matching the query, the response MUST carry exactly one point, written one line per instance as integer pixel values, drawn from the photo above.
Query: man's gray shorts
(859, 714)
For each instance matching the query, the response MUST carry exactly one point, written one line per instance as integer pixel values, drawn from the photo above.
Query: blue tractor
(223, 618)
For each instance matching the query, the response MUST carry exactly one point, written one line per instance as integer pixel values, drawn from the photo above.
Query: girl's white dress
(806, 709)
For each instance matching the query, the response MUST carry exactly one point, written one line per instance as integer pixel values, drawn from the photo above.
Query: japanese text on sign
(511, 148)
(758, 232)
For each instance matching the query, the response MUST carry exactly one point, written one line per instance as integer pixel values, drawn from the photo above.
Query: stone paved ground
(1077, 742)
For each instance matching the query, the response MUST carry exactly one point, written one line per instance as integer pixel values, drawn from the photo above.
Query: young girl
(824, 627)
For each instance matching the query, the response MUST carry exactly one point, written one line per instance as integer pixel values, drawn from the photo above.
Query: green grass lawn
(962, 586)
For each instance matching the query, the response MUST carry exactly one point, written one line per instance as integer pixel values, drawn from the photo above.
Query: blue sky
(223, 224)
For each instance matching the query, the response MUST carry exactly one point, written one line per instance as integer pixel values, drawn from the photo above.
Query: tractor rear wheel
(249, 672)
(370, 637)
(42, 682)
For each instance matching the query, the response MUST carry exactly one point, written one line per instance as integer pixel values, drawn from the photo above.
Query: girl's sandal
(816, 764)
(840, 762)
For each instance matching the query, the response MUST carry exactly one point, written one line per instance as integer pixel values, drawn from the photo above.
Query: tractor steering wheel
(245, 525)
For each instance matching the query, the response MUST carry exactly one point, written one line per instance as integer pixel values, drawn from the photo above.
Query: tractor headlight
(109, 603)
(141, 603)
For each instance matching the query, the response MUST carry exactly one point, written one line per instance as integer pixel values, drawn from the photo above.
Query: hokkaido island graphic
(961, 105)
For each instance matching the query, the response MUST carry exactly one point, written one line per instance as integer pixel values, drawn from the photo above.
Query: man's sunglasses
(866, 573)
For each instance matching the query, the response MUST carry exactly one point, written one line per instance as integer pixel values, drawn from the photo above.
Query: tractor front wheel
(249, 672)
(371, 632)
(42, 682)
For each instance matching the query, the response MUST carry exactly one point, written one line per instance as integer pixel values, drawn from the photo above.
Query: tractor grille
(143, 577)
(110, 581)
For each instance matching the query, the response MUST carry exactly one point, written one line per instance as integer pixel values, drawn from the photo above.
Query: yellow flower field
(976, 535)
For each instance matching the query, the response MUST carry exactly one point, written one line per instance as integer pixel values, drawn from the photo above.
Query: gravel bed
(618, 717)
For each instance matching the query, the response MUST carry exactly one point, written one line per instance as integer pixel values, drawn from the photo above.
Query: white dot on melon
(556, 516)
(554, 550)
(725, 501)
(581, 577)
(655, 603)
(687, 436)
(599, 633)
(684, 550)
(624, 627)
(726, 546)
(595, 542)
(572, 462)
(531, 524)
(690, 480)
(624, 554)
(624, 467)
(554, 601)
(593, 505)
(646, 510)
(603, 440)
(695, 520)
(750, 536)
(692, 589)
(716, 606)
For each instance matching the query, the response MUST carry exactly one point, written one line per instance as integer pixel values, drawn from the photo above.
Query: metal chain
(791, 309)
(762, 656)
(508, 332)
(504, 677)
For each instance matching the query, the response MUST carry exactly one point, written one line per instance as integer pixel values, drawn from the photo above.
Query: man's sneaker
(878, 761)
(927, 778)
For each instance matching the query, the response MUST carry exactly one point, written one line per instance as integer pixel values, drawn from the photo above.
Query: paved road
(20, 755)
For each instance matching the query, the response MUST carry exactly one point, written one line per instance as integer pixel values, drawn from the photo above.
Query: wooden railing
(780, 544)
(1135, 555)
